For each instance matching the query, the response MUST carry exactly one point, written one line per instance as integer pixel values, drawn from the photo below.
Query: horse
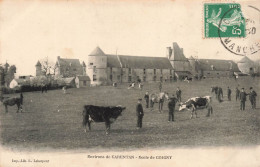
(11, 101)
(158, 98)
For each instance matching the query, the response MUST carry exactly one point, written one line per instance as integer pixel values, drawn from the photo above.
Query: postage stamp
(223, 19)
(249, 44)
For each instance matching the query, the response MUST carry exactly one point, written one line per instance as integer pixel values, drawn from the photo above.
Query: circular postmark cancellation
(242, 44)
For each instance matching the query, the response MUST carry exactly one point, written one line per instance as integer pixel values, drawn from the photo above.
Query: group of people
(171, 106)
(241, 95)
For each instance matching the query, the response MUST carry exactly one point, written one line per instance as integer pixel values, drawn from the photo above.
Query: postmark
(248, 45)
(219, 22)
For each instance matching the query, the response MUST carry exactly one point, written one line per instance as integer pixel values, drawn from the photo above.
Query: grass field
(42, 126)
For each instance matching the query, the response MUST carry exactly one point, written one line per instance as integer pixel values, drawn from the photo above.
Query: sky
(32, 30)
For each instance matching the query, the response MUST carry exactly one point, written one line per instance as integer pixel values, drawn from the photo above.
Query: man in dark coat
(252, 98)
(171, 107)
(237, 93)
(139, 113)
(220, 94)
(242, 97)
(229, 94)
(178, 94)
(146, 97)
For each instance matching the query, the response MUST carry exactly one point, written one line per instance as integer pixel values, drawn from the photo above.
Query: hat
(251, 87)
(242, 88)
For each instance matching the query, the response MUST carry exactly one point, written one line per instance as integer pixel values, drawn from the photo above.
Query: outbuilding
(82, 81)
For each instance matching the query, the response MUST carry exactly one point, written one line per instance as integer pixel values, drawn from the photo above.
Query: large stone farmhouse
(102, 68)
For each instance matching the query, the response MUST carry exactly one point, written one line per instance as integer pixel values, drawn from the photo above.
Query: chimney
(168, 52)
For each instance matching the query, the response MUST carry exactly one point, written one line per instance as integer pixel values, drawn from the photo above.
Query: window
(170, 72)
(154, 71)
(144, 71)
(84, 83)
(161, 78)
(90, 63)
(94, 69)
(217, 73)
(161, 71)
(154, 78)
(118, 77)
(129, 71)
(94, 77)
(129, 78)
(111, 70)
(111, 77)
(208, 73)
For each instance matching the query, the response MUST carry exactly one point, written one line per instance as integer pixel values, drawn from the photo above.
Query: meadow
(54, 120)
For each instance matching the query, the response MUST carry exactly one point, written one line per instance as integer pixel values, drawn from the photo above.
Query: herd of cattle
(108, 114)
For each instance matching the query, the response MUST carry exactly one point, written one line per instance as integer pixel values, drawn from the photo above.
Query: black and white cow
(196, 103)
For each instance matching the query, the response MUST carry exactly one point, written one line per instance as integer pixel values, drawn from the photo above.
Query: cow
(132, 85)
(11, 101)
(196, 103)
(187, 79)
(107, 114)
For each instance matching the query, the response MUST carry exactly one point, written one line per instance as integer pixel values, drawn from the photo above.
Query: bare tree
(48, 66)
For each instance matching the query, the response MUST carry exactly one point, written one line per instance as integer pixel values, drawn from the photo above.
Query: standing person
(46, 88)
(178, 93)
(242, 97)
(146, 97)
(139, 113)
(160, 86)
(42, 87)
(220, 94)
(252, 98)
(237, 93)
(171, 107)
(229, 93)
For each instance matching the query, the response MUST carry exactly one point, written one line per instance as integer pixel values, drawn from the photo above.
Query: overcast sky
(32, 30)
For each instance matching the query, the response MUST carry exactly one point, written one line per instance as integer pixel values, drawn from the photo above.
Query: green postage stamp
(223, 20)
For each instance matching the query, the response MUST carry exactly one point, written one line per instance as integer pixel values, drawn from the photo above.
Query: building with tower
(108, 68)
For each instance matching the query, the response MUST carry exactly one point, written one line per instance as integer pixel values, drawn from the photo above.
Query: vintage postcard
(129, 83)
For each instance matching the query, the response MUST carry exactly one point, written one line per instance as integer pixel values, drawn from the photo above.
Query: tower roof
(38, 63)
(97, 52)
(177, 53)
(245, 59)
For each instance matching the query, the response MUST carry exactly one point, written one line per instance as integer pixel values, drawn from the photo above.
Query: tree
(9, 74)
(48, 66)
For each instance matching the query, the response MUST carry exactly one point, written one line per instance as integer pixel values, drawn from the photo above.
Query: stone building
(107, 68)
(69, 67)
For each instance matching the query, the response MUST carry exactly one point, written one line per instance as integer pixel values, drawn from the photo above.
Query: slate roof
(245, 59)
(219, 65)
(83, 78)
(97, 52)
(142, 62)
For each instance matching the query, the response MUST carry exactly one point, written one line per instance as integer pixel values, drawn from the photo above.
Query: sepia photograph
(129, 83)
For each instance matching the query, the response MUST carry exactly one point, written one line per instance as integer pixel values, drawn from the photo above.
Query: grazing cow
(100, 114)
(11, 101)
(158, 98)
(196, 103)
(132, 85)
(187, 79)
